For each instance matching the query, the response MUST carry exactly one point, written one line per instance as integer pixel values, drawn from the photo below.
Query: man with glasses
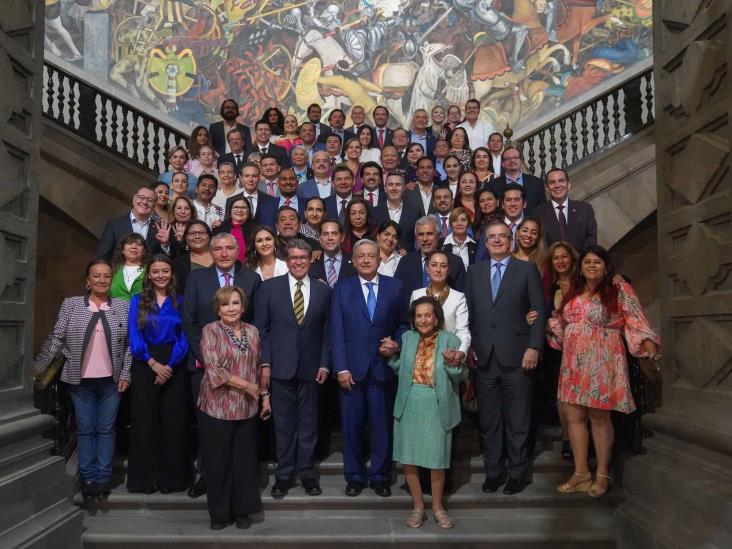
(295, 356)
(512, 164)
(505, 349)
(141, 220)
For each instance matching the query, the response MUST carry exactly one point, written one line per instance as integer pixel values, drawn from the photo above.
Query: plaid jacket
(72, 334)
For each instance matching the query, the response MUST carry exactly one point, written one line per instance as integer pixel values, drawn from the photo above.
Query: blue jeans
(96, 401)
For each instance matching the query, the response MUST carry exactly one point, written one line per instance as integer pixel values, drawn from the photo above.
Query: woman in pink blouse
(227, 408)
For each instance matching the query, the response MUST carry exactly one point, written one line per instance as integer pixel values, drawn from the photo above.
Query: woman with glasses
(196, 254)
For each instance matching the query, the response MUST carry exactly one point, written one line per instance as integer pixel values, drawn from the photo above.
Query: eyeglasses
(239, 208)
(195, 234)
(144, 199)
(497, 237)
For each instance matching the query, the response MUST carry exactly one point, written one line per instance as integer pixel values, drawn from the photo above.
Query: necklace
(441, 297)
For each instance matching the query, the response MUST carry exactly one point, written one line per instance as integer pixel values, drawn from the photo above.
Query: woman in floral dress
(589, 327)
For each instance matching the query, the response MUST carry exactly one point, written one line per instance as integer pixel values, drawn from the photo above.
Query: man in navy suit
(334, 265)
(262, 145)
(264, 207)
(218, 131)
(512, 160)
(337, 119)
(394, 208)
(314, 114)
(335, 204)
(237, 156)
(292, 319)
(381, 118)
(419, 133)
(564, 219)
(198, 311)
(320, 185)
(366, 318)
(289, 195)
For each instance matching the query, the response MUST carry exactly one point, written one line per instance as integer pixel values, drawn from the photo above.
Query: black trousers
(295, 414)
(158, 449)
(504, 409)
(195, 377)
(229, 451)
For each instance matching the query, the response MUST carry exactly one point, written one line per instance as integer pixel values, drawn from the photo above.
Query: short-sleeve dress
(594, 370)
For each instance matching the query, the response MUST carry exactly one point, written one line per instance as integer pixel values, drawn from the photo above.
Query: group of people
(260, 276)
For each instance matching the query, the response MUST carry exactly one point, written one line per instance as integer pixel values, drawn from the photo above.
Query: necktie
(425, 276)
(332, 274)
(253, 202)
(299, 303)
(371, 300)
(443, 231)
(381, 138)
(496, 280)
(371, 198)
(227, 280)
(342, 213)
(512, 226)
(271, 188)
(287, 201)
(562, 222)
(263, 150)
(238, 160)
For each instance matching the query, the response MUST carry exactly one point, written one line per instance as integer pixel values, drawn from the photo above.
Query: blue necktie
(371, 300)
(425, 276)
(496, 280)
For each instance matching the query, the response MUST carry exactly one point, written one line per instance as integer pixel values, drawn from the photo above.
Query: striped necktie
(299, 304)
(332, 274)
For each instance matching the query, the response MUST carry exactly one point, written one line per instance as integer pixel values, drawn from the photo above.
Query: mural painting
(521, 58)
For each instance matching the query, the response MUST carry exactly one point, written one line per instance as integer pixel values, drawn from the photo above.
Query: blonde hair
(223, 296)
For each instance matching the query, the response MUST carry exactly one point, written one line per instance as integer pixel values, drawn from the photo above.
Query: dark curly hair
(607, 291)
(118, 259)
(147, 296)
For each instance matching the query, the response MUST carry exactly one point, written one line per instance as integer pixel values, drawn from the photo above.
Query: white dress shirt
(279, 269)
(208, 214)
(426, 198)
(389, 267)
(293, 203)
(220, 198)
(365, 289)
(453, 187)
(456, 315)
(227, 129)
(253, 200)
(325, 188)
(371, 155)
(478, 134)
(460, 250)
(366, 194)
(395, 214)
(339, 202)
(497, 167)
(305, 288)
(565, 211)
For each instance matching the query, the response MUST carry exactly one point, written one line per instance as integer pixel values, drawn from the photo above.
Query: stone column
(678, 493)
(34, 508)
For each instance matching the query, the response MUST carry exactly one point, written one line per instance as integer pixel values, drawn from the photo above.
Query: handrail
(593, 126)
(106, 120)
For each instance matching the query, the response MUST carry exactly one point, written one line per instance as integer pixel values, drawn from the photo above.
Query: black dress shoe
(147, 490)
(103, 490)
(311, 486)
(491, 484)
(381, 488)
(513, 486)
(280, 489)
(218, 525)
(89, 491)
(243, 522)
(165, 490)
(354, 488)
(198, 488)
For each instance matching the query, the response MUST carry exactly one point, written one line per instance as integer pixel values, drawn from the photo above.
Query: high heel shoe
(582, 486)
(594, 491)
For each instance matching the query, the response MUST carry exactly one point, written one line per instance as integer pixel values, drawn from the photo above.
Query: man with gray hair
(198, 311)
(412, 269)
(292, 318)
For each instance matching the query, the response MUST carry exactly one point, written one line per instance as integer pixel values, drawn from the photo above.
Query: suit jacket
(309, 189)
(533, 187)
(410, 272)
(229, 157)
(201, 286)
(472, 249)
(414, 199)
(430, 140)
(266, 208)
(501, 326)
(346, 136)
(280, 153)
(293, 350)
(387, 136)
(354, 337)
(218, 138)
(119, 227)
(446, 378)
(581, 223)
(410, 215)
(324, 131)
(318, 269)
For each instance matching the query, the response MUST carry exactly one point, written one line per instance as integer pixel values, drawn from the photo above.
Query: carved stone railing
(107, 120)
(592, 127)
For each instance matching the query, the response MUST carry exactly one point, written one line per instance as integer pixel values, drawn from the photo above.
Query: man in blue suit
(419, 133)
(292, 318)
(366, 313)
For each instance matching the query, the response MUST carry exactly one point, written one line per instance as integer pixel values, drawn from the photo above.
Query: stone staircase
(539, 517)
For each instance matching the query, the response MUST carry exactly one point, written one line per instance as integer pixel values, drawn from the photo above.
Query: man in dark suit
(292, 318)
(201, 286)
(366, 315)
(358, 117)
(512, 160)
(505, 349)
(314, 114)
(262, 133)
(237, 156)
(320, 185)
(141, 220)
(394, 208)
(218, 131)
(411, 269)
(335, 204)
(264, 206)
(420, 198)
(334, 265)
(289, 195)
(564, 219)
(372, 189)
(381, 119)
(337, 119)
(419, 133)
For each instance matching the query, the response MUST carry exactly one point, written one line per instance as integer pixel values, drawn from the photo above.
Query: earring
(88, 286)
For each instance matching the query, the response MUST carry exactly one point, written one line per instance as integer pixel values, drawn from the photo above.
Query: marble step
(513, 528)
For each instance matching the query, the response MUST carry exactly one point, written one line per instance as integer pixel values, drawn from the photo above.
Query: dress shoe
(89, 491)
(354, 488)
(491, 484)
(218, 525)
(165, 490)
(198, 488)
(243, 522)
(151, 489)
(311, 486)
(280, 489)
(381, 488)
(513, 486)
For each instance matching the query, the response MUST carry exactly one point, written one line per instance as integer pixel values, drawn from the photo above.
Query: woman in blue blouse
(157, 456)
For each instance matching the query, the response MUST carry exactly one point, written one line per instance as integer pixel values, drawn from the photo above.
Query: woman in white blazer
(453, 302)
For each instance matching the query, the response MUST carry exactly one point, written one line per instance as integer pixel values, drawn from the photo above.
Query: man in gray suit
(505, 349)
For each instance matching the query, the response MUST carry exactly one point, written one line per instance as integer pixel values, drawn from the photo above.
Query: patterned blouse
(225, 355)
(423, 372)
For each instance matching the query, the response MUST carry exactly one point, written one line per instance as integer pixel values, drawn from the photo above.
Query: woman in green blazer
(427, 408)
(127, 263)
